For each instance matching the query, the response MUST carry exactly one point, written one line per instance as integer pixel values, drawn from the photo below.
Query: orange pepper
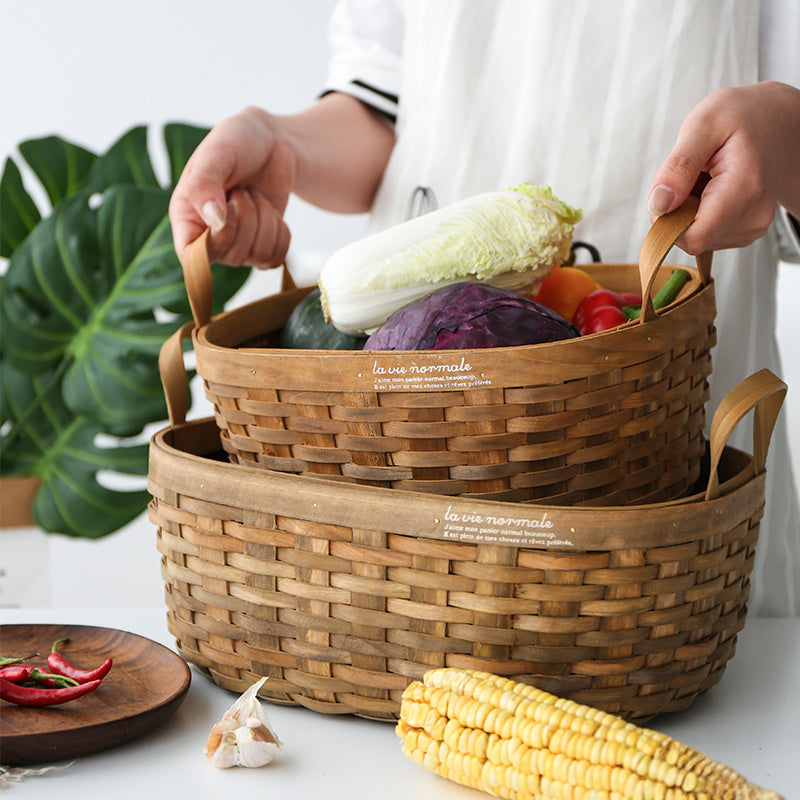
(564, 288)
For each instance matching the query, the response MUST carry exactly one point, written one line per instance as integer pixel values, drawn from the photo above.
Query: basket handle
(197, 277)
(173, 374)
(659, 240)
(762, 391)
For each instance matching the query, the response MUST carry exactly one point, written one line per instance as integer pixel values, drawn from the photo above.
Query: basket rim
(221, 357)
(205, 333)
(436, 517)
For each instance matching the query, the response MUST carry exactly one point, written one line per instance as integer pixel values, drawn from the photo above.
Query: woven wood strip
(263, 579)
(634, 399)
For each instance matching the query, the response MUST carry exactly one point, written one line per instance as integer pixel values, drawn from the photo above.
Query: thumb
(682, 173)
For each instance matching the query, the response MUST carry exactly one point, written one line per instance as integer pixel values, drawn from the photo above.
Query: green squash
(306, 329)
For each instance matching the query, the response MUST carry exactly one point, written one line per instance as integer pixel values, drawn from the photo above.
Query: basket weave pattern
(631, 434)
(614, 586)
(608, 419)
(342, 594)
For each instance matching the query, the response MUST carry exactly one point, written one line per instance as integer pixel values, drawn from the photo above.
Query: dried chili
(62, 666)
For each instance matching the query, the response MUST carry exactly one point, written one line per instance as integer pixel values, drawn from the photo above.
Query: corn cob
(521, 743)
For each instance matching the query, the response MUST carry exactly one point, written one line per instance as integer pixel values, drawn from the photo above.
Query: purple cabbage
(464, 316)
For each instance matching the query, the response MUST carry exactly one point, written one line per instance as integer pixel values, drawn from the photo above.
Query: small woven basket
(342, 593)
(607, 419)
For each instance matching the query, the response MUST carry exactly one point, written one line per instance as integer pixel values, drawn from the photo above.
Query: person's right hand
(237, 183)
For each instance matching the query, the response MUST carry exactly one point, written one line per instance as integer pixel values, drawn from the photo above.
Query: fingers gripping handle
(762, 391)
(199, 282)
(200, 290)
(659, 240)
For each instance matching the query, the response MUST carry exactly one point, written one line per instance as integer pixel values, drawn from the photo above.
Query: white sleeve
(779, 60)
(779, 41)
(366, 40)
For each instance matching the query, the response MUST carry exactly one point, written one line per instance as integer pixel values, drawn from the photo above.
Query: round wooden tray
(145, 686)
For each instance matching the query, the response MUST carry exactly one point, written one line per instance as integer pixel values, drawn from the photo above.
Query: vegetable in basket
(306, 329)
(511, 239)
(564, 288)
(469, 315)
(604, 309)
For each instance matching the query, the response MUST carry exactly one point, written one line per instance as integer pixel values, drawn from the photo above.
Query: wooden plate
(145, 686)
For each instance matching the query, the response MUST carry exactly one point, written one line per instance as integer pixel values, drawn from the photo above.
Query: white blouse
(586, 96)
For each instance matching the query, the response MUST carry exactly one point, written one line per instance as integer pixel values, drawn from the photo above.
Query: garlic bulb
(243, 737)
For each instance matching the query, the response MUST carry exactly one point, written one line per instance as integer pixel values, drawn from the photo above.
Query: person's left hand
(739, 149)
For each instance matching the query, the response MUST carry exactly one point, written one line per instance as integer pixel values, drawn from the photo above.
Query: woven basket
(342, 593)
(606, 419)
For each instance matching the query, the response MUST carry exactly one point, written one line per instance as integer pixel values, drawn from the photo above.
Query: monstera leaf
(91, 291)
(62, 449)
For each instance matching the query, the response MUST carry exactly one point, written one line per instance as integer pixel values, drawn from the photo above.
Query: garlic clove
(253, 751)
(243, 736)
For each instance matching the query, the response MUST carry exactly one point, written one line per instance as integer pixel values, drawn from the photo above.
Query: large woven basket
(342, 593)
(606, 419)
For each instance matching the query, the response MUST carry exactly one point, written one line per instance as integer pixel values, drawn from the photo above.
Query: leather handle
(173, 374)
(198, 280)
(660, 239)
(763, 392)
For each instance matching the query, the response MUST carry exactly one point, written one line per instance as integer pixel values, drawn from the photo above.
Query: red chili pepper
(51, 680)
(39, 697)
(60, 665)
(603, 309)
(16, 673)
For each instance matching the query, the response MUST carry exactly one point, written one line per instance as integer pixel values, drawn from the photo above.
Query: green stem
(664, 296)
(669, 291)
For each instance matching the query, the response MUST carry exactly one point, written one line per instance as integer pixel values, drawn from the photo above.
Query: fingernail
(660, 200)
(213, 216)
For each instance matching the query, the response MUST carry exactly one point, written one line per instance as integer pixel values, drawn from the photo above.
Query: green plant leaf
(60, 166)
(20, 214)
(181, 141)
(50, 441)
(81, 293)
(91, 292)
(127, 161)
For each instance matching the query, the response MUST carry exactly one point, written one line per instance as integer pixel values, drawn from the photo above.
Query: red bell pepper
(604, 309)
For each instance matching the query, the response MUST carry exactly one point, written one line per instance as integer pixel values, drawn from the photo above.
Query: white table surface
(750, 721)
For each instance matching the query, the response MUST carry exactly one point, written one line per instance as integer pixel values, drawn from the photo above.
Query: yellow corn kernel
(518, 742)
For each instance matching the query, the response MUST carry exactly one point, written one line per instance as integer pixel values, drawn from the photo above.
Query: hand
(738, 149)
(237, 183)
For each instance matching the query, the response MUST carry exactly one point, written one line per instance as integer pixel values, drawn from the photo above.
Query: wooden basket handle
(173, 374)
(762, 391)
(197, 277)
(659, 240)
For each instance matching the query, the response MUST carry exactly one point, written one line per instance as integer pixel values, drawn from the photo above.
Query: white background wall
(88, 70)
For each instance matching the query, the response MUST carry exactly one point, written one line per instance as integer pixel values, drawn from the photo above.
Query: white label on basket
(491, 529)
(393, 376)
